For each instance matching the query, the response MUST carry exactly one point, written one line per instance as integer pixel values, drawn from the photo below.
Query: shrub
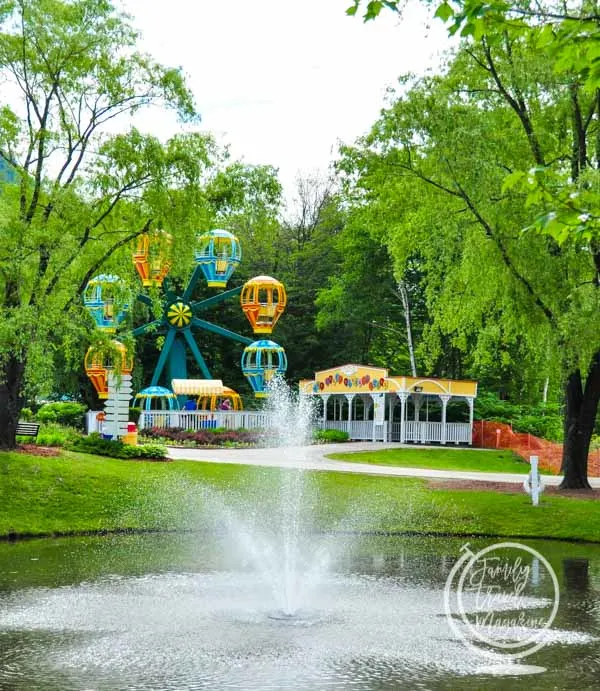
(114, 448)
(542, 420)
(151, 451)
(53, 434)
(64, 413)
(330, 435)
(26, 414)
(548, 427)
(489, 407)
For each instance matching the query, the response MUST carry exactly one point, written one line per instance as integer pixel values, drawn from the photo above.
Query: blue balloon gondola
(218, 255)
(103, 299)
(261, 361)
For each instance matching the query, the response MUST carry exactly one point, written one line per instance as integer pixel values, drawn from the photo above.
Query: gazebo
(369, 404)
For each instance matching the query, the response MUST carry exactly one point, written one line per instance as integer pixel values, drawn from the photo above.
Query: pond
(185, 611)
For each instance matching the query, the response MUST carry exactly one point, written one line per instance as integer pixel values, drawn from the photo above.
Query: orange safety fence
(488, 434)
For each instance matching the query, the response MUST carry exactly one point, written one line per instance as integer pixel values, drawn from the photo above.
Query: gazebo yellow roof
(356, 379)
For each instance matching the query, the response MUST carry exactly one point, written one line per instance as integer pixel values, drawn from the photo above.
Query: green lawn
(78, 493)
(441, 459)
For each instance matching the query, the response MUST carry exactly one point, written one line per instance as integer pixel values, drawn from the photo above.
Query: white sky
(283, 81)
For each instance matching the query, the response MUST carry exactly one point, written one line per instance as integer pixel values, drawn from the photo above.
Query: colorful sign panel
(357, 379)
(348, 379)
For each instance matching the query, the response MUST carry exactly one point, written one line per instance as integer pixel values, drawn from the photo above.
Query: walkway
(313, 458)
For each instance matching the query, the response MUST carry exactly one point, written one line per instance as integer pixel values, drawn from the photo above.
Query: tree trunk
(12, 378)
(580, 417)
(409, 338)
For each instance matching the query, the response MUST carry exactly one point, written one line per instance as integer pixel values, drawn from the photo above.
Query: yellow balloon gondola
(263, 301)
(98, 364)
(152, 257)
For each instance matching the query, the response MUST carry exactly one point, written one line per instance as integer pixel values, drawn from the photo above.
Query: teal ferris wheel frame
(179, 318)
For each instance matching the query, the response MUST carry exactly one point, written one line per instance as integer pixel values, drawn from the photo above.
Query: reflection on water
(180, 612)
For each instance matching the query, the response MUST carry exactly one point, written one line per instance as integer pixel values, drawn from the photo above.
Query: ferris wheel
(263, 300)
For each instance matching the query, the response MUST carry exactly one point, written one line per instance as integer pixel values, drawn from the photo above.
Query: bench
(28, 429)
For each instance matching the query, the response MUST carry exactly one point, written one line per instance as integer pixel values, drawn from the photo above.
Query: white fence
(459, 433)
(419, 432)
(425, 432)
(198, 420)
(356, 429)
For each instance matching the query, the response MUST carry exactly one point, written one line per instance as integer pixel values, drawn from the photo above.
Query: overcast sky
(283, 81)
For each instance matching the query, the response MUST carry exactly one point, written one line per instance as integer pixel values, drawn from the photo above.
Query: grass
(441, 459)
(75, 493)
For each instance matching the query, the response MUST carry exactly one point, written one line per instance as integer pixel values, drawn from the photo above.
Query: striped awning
(197, 387)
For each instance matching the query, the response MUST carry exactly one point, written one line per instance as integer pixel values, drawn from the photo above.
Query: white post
(117, 405)
(470, 403)
(350, 398)
(533, 483)
(444, 399)
(325, 398)
(378, 412)
(403, 398)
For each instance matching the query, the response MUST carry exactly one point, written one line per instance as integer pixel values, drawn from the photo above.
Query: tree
(70, 70)
(563, 199)
(435, 168)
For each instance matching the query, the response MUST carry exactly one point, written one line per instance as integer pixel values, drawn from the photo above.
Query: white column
(350, 398)
(444, 398)
(378, 412)
(403, 398)
(391, 403)
(325, 398)
(471, 403)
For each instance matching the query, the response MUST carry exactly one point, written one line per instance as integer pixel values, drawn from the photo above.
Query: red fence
(497, 435)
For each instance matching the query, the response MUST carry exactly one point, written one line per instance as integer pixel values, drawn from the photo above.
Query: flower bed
(214, 437)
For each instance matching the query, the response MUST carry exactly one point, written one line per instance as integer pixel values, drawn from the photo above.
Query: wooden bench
(28, 429)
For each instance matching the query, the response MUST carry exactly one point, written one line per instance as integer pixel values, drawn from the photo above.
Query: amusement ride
(217, 255)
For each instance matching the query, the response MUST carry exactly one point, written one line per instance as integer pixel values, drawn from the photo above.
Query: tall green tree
(70, 69)
(434, 170)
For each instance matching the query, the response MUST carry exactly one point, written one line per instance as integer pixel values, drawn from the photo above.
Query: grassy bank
(478, 460)
(78, 493)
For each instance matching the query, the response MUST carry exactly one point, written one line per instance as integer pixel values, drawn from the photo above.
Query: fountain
(261, 598)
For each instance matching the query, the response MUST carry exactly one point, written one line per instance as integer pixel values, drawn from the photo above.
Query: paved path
(313, 458)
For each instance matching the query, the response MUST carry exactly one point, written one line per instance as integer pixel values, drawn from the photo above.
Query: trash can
(131, 437)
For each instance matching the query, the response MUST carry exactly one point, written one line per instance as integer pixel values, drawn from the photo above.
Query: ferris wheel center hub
(179, 314)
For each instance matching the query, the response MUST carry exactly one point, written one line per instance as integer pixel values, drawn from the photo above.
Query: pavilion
(369, 404)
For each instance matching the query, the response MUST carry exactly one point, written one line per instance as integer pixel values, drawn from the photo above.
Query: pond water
(183, 611)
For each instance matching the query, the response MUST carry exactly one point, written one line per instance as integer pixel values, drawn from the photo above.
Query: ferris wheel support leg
(197, 354)
(164, 354)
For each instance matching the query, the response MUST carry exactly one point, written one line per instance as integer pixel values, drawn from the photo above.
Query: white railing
(420, 432)
(459, 433)
(356, 429)
(425, 432)
(197, 420)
